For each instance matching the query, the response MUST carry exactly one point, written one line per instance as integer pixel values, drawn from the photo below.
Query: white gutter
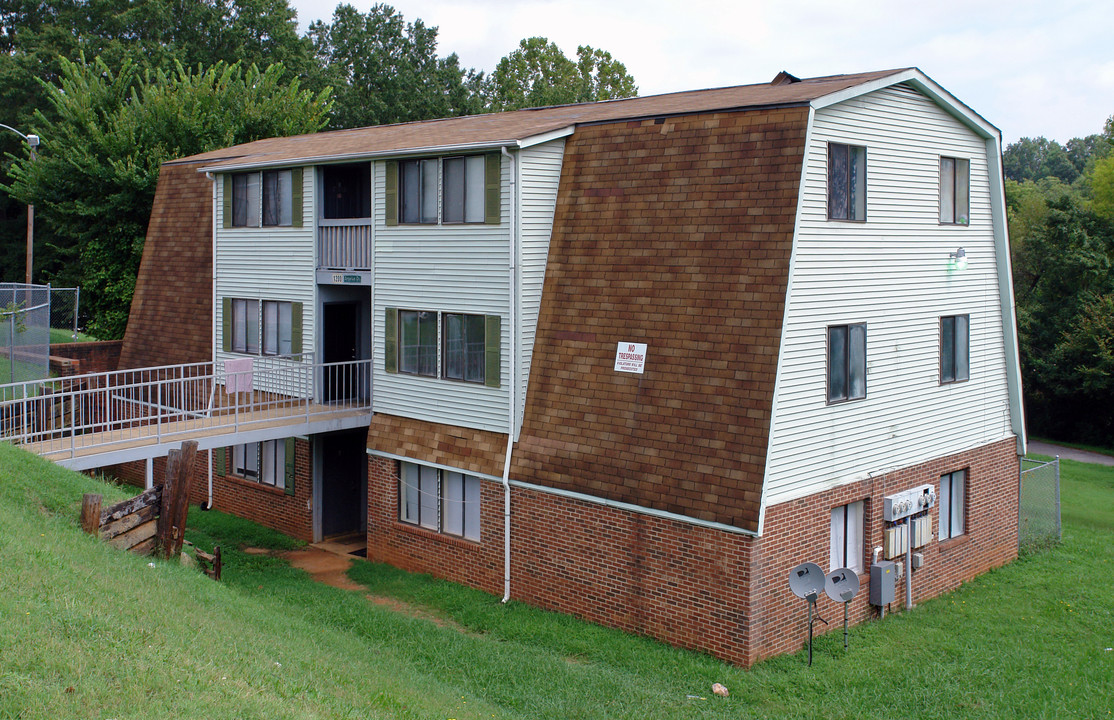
(213, 267)
(512, 283)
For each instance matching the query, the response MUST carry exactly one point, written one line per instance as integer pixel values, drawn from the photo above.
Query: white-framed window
(952, 504)
(463, 347)
(846, 182)
(444, 501)
(955, 191)
(277, 327)
(847, 537)
(955, 340)
(846, 362)
(446, 190)
(464, 338)
(263, 462)
(245, 326)
(263, 198)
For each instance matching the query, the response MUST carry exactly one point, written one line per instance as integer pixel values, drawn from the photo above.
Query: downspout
(213, 332)
(512, 283)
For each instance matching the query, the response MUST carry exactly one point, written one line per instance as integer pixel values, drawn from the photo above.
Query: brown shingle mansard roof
(509, 127)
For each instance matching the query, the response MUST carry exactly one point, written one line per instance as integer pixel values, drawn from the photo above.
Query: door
(340, 344)
(343, 483)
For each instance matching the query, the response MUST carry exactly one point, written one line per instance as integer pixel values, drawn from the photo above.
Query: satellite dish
(842, 585)
(806, 581)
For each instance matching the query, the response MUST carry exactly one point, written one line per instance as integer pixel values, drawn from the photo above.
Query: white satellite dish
(806, 581)
(842, 585)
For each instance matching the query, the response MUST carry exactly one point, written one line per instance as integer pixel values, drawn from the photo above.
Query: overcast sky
(1031, 68)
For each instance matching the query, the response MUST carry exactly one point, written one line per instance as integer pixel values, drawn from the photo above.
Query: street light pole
(32, 142)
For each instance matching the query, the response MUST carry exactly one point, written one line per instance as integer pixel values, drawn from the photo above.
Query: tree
(1102, 187)
(1036, 158)
(539, 74)
(107, 134)
(385, 70)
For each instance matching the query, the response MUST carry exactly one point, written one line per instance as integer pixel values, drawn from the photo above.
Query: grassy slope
(1027, 640)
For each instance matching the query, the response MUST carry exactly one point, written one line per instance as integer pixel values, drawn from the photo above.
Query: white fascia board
(546, 137)
(350, 157)
(784, 324)
(924, 84)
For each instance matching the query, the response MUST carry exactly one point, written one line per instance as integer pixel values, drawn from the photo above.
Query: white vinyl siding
(267, 263)
(890, 272)
(540, 172)
(456, 268)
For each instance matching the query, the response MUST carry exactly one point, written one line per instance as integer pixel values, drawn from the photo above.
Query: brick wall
(85, 357)
(800, 531)
(691, 586)
(272, 507)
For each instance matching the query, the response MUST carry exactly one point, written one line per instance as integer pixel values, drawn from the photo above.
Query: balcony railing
(60, 417)
(344, 246)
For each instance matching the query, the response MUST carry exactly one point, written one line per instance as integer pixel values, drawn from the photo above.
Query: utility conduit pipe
(512, 249)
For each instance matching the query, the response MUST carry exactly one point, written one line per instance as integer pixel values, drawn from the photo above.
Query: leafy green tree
(1036, 158)
(103, 142)
(1102, 187)
(386, 70)
(539, 74)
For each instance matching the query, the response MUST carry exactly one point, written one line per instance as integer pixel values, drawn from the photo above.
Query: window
(277, 198)
(846, 362)
(465, 347)
(440, 500)
(346, 191)
(245, 326)
(846, 182)
(954, 348)
(417, 342)
(270, 198)
(448, 190)
(955, 190)
(469, 345)
(952, 504)
(245, 200)
(264, 462)
(246, 321)
(847, 537)
(277, 321)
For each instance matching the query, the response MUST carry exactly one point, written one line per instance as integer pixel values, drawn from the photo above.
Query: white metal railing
(344, 247)
(169, 403)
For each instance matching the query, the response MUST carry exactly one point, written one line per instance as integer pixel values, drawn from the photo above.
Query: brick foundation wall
(800, 531)
(85, 357)
(269, 506)
(692, 586)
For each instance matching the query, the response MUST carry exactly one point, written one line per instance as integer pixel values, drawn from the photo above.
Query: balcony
(344, 245)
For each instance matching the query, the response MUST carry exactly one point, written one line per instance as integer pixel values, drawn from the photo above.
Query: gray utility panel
(883, 582)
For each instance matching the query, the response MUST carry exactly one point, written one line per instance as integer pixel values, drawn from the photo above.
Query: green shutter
(492, 359)
(296, 197)
(295, 328)
(390, 341)
(227, 219)
(289, 480)
(493, 200)
(220, 456)
(226, 324)
(390, 192)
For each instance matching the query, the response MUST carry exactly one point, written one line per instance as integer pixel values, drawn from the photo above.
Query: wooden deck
(146, 438)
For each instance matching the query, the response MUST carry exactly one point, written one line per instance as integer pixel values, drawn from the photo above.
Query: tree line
(116, 87)
(1060, 203)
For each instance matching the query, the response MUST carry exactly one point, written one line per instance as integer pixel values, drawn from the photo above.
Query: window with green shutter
(444, 190)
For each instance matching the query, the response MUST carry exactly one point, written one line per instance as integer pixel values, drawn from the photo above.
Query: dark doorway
(340, 344)
(343, 483)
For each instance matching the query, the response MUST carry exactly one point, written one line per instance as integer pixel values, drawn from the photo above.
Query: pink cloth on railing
(237, 375)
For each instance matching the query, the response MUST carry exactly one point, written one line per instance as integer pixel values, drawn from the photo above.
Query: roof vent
(784, 78)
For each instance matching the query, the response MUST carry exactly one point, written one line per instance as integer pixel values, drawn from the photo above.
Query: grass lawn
(62, 335)
(88, 632)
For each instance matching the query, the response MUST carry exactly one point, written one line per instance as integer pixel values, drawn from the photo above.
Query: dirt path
(1042, 448)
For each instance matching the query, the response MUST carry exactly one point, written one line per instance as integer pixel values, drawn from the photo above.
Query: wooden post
(91, 513)
(176, 499)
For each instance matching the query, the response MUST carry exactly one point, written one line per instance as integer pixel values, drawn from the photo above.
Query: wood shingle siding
(675, 234)
(171, 312)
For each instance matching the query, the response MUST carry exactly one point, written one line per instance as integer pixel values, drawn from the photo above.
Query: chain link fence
(24, 332)
(65, 304)
(1039, 511)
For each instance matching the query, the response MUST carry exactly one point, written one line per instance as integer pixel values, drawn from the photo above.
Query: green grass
(62, 335)
(89, 632)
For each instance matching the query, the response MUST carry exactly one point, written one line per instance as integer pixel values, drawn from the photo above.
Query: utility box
(883, 582)
(895, 541)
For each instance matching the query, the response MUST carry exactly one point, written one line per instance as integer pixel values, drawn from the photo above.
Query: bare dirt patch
(323, 566)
